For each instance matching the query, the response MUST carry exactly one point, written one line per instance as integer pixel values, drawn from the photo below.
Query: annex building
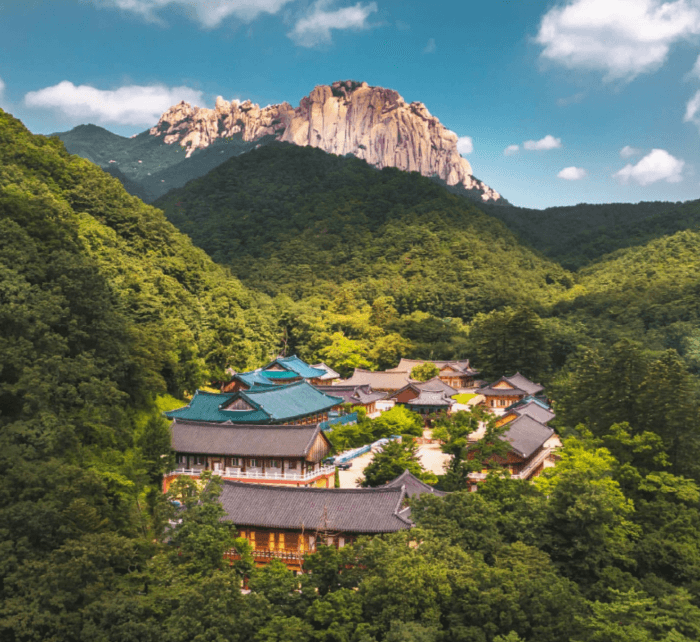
(288, 523)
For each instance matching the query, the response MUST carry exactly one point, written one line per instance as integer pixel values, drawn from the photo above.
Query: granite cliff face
(372, 123)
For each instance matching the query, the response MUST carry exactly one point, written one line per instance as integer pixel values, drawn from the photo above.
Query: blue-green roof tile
(269, 405)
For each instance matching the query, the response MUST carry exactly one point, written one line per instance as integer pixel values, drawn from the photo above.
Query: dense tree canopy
(104, 307)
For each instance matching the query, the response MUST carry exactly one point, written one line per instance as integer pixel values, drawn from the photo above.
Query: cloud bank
(546, 143)
(131, 105)
(465, 145)
(511, 150)
(572, 173)
(658, 165)
(315, 29)
(623, 38)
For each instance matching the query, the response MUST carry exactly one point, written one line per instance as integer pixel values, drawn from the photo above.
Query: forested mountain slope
(651, 291)
(580, 234)
(187, 317)
(146, 165)
(299, 221)
(103, 305)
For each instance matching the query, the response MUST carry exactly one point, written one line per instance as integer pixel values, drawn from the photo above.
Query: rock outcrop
(372, 123)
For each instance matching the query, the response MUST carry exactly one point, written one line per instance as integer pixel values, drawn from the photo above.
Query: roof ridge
(276, 387)
(212, 394)
(313, 489)
(230, 424)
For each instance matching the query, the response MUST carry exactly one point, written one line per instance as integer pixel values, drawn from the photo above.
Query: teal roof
(295, 364)
(279, 374)
(205, 406)
(270, 405)
(293, 367)
(254, 378)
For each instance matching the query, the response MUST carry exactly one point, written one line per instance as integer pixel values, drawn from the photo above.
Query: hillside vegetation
(148, 167)
(578, 235)
(298, 221)
(103, 306)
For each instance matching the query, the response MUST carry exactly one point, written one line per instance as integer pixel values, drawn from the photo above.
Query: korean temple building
(287, 523)
(384, 380)
(426, 397)
(357, 396)
(266, 434)
(281, 371)
(507, 391)
(533, 444)
(331, 377)
(458, 373)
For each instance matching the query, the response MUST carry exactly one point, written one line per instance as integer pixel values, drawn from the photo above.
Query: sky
(555, 102)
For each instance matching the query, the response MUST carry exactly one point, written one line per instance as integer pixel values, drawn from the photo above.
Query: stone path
(432, 459)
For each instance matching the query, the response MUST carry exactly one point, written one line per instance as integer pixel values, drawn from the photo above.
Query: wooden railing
(273, 553)
(524, 472)
(237, 473)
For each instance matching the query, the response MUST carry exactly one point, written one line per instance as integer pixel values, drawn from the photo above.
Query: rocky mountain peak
(346, 117)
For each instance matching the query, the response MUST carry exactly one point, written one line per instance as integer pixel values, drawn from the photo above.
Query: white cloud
(511, 150)
(548, 142)
(208, 13)
(315, 28)
(628, 152)
(658, 165)
(691, 110)
(572, 173)
(465, 145)
(623, 38)
(571, 100)
(695, 71)
(131, 105)
(2, 91)
(430, 47)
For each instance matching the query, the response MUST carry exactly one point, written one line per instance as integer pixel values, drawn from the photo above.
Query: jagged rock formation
(348, 117)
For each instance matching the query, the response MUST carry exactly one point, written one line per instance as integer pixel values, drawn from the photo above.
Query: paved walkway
(432, 459)
(350, 477)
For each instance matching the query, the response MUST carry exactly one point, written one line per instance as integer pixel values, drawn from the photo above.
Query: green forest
(107, 307)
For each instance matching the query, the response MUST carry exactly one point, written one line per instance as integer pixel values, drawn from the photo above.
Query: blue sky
(571, 83)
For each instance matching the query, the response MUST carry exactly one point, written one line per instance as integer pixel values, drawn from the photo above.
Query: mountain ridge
(345, 118)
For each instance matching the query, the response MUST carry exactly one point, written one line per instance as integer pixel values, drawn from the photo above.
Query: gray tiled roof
(365, 395)
(522, 382)
(425, 398)
(537, 412)
(526, 435)
(461, 366)
(354, 394)
(490, 391)
(330, 373)
(242, 440)
(378, 380)
(436, 385)
(413, 485)
(346, 510)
